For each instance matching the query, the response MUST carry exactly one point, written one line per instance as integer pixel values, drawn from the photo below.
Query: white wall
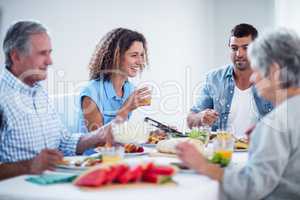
(186, 38)
(287, 14)
(228, 13)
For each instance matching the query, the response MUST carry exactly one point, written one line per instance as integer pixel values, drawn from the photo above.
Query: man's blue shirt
(217, 92)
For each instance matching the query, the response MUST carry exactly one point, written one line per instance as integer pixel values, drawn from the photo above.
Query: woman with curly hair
(120, 55)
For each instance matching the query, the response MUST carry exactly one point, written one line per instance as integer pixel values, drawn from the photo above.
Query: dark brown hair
(244, 30)
(109, 51)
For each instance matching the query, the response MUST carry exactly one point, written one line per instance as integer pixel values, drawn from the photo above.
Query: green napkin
(46, 179)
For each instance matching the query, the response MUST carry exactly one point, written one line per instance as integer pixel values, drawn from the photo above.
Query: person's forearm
(123, 112)
(212, 170)
(92, 139)
(193, 120)
(8, 170)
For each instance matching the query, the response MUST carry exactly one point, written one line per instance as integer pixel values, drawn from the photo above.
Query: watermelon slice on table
(93, 179)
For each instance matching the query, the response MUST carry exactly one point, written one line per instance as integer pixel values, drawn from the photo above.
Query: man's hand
(205, 117)
(208, 116)
(101, 136)
(249, 130)
(46, 160)
(106, 137)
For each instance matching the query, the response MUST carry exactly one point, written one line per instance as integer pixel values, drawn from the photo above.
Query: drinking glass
(111, 154)
(224, 144)
(148, 98)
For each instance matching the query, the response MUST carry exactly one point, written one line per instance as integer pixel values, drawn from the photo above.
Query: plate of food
(134, 150)
(154, 137)
(241, 145)
(80, 162)
(169, 146)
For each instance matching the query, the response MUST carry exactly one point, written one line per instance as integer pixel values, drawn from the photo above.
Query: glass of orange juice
(223, 147)
(147, 98)
(112, 154)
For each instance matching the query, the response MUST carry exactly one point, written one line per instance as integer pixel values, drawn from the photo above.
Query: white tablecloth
(189, 186)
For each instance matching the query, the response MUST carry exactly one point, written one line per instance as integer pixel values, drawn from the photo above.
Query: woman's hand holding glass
(140, 97)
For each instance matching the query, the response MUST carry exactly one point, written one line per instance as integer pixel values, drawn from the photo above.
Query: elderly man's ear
(15, 56)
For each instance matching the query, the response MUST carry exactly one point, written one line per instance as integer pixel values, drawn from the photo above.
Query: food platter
(79, 163)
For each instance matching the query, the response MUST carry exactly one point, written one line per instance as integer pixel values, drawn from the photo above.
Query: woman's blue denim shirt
(217, 92)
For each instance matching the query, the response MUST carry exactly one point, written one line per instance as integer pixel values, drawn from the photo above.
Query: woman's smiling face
(133, 59)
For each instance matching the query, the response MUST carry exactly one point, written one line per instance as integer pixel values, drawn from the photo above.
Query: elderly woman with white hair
(273, 168)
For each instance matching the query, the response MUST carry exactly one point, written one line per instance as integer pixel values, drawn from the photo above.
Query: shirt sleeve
(68, 142)
(1, 120)
(1, 130)
(269, 154)
(204, 99)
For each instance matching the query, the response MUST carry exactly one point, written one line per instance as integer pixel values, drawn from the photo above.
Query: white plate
(240, 150)
(149, 145)
(136, 154)
(183, 169)
(187, 171)
(72, 166)
(147, 150)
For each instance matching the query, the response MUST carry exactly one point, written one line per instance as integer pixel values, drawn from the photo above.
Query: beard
(241, 64)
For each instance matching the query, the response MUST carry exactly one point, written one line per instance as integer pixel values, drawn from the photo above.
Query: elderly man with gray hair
(272, 171)
(32, 137)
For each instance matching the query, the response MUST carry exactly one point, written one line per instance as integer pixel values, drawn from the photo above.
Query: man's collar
(17, 84)
(229, 72)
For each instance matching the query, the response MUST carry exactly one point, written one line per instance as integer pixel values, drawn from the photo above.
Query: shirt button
(228, 105)
(231, 91)
(225, 117)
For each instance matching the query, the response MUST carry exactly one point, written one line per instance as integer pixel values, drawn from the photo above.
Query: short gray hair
(282, 47)
(17, 37)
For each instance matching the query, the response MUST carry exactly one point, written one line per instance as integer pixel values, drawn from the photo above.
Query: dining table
(187, 185)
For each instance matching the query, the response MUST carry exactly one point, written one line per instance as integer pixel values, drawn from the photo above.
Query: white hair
(17, 37)
(282, 47)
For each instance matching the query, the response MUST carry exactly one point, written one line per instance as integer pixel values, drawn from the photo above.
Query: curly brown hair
(109, 51)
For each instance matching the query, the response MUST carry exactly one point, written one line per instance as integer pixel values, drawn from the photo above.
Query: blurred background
(186, 39)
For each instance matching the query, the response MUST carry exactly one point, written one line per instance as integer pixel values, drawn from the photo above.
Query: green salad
(199, 134)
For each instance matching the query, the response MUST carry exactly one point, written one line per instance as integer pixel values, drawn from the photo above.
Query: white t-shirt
(243, 112)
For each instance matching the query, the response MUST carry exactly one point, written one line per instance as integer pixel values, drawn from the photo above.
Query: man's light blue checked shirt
(29, 122)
